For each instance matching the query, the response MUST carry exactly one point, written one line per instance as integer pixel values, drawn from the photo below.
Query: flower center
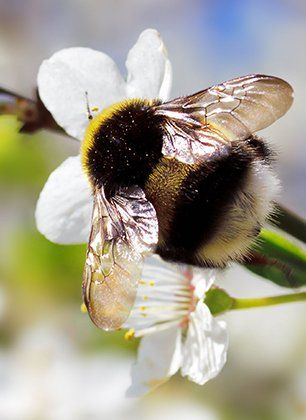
(162, 303)
(193, 299)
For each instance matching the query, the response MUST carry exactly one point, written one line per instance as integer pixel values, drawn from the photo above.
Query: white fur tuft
(250, 208)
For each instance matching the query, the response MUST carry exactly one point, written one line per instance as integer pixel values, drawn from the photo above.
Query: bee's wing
(200, 124)
(124, 230)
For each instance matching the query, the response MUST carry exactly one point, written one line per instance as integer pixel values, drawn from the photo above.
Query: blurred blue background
(54, 364)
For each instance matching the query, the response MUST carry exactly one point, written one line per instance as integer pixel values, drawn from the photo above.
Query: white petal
(205, 348)
(163, 295)
(159, 357)
(149, 69)
(64, 79)
(202, 280)
(63, 211)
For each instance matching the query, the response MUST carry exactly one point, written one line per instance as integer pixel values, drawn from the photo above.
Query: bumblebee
(186, 179)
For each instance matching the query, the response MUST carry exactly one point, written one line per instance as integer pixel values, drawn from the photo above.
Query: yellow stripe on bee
(163, 188)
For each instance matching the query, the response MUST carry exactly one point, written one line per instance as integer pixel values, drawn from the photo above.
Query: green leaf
(279, 260)
(218, 301)
(290, 222)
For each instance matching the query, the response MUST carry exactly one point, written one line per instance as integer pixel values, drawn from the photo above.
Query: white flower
(63, 210)
(178, 329)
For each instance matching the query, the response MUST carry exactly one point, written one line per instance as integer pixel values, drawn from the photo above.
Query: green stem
(290, 222)
(238, 303)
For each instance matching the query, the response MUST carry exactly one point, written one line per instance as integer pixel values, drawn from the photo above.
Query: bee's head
(122, 144)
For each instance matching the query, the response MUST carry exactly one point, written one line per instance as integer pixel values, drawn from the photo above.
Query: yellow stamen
(152, 283)
(129, 334)
(83, 308)
(95, 108)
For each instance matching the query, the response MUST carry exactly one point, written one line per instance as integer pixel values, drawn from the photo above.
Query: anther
(129, 334)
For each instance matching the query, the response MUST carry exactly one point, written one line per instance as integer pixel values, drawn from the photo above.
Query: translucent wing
(124, 230)
(201, 124)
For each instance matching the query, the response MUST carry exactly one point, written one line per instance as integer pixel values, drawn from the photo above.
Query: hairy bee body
(123, 145)
(208, 212)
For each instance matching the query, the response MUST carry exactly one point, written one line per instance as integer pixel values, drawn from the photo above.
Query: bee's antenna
(89, 114)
